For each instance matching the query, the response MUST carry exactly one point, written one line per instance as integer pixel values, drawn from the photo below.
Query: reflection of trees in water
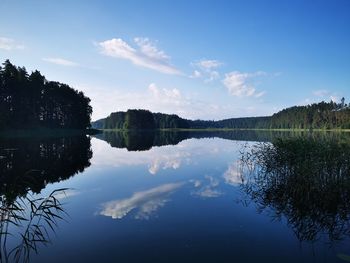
(31, 163)
(145, 140)
(306, 180)
(27, 165)
(141, 140)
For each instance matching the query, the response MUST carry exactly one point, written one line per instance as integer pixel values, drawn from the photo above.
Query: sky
(198, 59)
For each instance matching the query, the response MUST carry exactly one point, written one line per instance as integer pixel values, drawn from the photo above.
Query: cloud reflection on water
(145, 202)
(209, 190)
(233, 175)
(157, 159)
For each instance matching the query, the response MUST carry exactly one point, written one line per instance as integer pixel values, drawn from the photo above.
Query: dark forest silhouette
(323, 115)
(31, 101)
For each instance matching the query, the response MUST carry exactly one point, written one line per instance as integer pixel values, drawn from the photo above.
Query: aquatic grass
(304, 179)
(36, 216)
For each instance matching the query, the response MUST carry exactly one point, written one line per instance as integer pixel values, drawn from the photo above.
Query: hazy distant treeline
(323, 115)
(31, 101)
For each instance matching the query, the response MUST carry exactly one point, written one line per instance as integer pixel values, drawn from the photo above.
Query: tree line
(31, 101)
(323, 115)
(141, 119)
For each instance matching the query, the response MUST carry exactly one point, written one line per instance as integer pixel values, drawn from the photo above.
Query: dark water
(177, 197)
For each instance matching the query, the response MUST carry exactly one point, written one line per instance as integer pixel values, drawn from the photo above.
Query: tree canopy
(31, 101)
(140, 120)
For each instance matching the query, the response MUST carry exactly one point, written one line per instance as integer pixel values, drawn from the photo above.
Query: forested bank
(29, 101)
(323, 115)
(141, 119)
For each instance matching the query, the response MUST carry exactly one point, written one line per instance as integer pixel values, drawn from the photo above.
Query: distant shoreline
(227, 129)
(318, 116)
(46, 132)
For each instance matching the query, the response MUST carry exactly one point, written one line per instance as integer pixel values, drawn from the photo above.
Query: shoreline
(46, 132)
(227, 129)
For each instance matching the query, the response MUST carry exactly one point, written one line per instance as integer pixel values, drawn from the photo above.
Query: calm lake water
(180, 197)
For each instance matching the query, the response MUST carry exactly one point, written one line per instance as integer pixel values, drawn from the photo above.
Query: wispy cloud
(145, 54)
(196, 74)
(61, 62)
(206, 68)
(165, 95)
(208, 64)
(145, 202)
(9, 44)
(165, 99)
(239, 84)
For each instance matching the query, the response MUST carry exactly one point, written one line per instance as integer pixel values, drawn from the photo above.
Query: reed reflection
(304, 179)
(27, 165)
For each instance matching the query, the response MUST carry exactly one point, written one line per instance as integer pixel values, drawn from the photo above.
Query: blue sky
(198, 59)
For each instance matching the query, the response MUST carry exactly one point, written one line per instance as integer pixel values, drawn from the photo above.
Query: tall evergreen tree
(30, 101)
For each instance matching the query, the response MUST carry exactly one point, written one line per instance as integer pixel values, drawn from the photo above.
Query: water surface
(182, 197)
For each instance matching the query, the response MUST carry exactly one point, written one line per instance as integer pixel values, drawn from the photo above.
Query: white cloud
(207, 64)
(146, 202)
(150, 50)
(165, 95)
(145, 55)
(207, 69)
(213, 75)
(238, 84)
(9, 44)
(170, 100)
(196, 74)
(61, 62)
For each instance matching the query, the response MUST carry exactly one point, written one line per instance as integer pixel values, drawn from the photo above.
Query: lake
(199, 196)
